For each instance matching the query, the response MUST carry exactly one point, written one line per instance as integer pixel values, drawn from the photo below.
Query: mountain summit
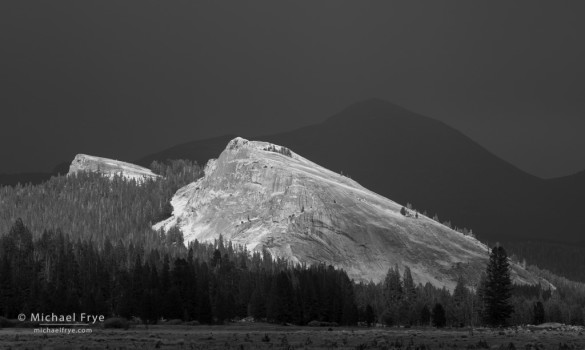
(265, 196)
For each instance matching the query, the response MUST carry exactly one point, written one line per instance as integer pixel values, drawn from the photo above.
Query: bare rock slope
(110, 168)
(262, 195)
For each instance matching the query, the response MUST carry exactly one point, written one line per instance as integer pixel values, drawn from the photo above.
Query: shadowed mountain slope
(412, 158)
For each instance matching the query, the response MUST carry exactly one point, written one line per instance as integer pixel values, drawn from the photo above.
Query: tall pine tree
(498, 289)
(393, 296)
(460, 312)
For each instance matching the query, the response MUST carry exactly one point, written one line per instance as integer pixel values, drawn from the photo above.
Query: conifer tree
(204, 302)
(393, 296)
(425, 315)
(438, 317)
(6, 293)
(392, 287)
(460, 306)
(407, 314)
(370, 317)
(479, 305)
(498, 289)
(538, 311)
(409, 287)
(257, 305)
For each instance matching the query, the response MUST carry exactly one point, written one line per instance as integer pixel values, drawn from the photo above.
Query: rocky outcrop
(265, 196)
(110, 168)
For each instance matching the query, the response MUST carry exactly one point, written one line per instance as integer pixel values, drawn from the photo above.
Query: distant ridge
(412, 158)
(200, 151)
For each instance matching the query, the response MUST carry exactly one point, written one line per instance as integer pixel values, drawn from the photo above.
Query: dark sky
(126, 78)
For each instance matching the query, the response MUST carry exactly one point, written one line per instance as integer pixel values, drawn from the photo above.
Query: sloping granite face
(262, 195)
(110, 168)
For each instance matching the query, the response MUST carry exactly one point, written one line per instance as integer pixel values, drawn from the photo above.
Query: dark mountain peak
(409, 157)
(375, 109)
(375, 103)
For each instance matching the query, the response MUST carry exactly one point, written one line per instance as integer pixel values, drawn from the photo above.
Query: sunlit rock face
(262, 195)
(110, 168)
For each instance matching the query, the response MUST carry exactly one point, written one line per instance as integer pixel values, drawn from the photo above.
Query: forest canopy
(85, 243)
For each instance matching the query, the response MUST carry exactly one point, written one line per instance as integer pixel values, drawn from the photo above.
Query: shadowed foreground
(262, 336)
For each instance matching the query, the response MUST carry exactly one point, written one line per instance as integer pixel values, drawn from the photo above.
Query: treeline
(397, 301)
(218, 282)
(281, 149)
(89, 247)
(93, 207)
(560, 258)
(207, 283)
(565, 305)
(563, 259)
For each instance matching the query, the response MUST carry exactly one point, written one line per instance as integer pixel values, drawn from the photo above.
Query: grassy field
(264, 336)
